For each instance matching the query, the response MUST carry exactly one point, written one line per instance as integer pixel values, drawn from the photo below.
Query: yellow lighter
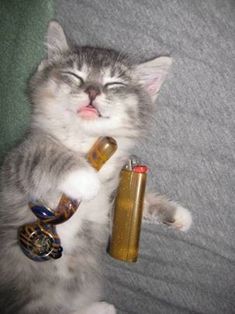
(128, 210)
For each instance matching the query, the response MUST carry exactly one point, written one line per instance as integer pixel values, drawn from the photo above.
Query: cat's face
(95, 90)
(89, 88)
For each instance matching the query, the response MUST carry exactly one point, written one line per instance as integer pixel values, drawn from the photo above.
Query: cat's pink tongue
(88, 112)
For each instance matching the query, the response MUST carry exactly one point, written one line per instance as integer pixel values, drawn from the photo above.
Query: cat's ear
(152, 74)
(56, 41)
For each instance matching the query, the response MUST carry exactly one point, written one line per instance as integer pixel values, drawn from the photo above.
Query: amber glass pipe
(128, 209)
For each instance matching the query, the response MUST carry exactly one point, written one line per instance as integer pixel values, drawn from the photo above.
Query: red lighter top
(140, 169)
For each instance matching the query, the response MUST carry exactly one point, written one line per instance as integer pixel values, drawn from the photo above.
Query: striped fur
(53, 148)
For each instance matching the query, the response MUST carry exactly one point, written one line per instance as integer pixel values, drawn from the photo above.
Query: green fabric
(22, 27)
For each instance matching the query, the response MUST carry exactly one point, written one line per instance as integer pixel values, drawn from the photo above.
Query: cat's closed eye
(112, 85)
(78, 79)
(73, 76)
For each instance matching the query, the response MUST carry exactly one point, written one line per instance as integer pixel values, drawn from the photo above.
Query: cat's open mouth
(89, 112)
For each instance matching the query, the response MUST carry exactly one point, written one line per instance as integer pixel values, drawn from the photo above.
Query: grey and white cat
(78, 94)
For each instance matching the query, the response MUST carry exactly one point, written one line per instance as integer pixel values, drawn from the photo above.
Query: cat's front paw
(82, 184)
(167, 212)
(181, 219)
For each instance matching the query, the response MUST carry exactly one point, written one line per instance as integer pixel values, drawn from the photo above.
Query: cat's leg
(99, 308)
(38, 171)
(167, 212)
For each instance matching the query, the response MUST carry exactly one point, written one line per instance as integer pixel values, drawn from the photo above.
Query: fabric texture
(22, 29)
(190, 151)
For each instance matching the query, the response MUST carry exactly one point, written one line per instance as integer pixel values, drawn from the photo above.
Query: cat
(78, 94)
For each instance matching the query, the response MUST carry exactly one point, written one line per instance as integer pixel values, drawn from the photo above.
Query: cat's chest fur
(83, 235)
(95, 211)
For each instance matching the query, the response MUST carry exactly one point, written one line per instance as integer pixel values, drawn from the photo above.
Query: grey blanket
(190, 150)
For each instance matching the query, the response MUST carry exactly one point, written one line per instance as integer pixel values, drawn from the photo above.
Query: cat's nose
(93, 91)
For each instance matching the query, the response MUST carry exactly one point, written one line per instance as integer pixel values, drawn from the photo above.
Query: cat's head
(93, 90)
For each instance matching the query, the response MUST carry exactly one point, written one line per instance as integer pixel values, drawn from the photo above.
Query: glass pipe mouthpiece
(102, 150)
